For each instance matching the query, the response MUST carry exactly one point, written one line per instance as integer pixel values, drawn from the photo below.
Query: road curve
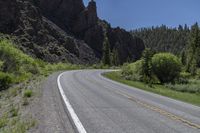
(105, 106)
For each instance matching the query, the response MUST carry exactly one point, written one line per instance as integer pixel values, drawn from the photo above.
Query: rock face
(64, 30)
(62, 12)
(8, 16)
(39, 37)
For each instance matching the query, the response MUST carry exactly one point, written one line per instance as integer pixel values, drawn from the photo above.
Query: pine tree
(115, 57)
(147, 65)
(183, 58)
(193, 50)
(198, 49)
(186, 27)
(180, 28)
(106, 52)
(164, 39)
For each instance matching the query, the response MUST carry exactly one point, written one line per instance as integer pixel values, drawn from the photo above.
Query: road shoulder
(49, 110)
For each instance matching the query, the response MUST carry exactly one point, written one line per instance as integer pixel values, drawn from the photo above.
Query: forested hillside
(164, 39)
(163, 72)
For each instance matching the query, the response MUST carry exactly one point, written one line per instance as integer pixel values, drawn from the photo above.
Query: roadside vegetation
(165, 73)
(20, 79)
(16, 67)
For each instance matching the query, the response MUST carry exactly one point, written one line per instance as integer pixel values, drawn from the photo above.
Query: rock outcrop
(39, 37)
(9, 16)
(64, 30)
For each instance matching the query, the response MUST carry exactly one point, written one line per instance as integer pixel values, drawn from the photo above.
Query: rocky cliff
(64, 30)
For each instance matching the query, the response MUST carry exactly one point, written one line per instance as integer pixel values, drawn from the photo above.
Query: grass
(18, 72)
(14, 111)
(17, 67)
(3, 121)
(13, 92)
(16, 125)
(191, 87)
(193, 98)
(12, 117)
(28, 93)
(25, 101)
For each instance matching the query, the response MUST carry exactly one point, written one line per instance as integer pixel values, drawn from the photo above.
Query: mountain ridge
(64, 30)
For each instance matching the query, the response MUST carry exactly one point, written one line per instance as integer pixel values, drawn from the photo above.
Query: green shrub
(183, 78)
(190, 88)
(1, 65)
(5, 81)
(185, 75)
(61, 66)
(166, 67)
(3, 121)
(126, 71)
(198, 73)
(14, 111)
(28, 93)
(132, 71)
(15, 61)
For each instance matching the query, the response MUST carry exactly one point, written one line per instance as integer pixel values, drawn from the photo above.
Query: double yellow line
(154, 108)
(159, 110)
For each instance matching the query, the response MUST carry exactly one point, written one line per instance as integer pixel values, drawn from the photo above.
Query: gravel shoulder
(48, 109)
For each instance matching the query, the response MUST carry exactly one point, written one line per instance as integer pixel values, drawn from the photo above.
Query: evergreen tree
(115, 57)
(147, 65)
(164, 39)
(180, 28)
(183, 58)
(193, 56)
(106, 52)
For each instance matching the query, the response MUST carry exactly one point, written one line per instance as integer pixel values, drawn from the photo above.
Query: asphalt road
(105, 106)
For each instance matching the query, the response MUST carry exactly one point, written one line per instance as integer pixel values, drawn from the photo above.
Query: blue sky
(132, 14)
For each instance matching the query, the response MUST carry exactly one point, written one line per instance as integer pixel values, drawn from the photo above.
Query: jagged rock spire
(92, 13)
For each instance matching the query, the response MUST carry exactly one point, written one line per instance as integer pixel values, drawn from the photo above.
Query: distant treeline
(164, 39)
(182, 41)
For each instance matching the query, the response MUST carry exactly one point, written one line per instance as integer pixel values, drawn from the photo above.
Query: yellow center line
(159, 110)
(154, 108)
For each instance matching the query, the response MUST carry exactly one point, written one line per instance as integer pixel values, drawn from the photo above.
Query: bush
(28, 93)
(14, 111)
(5, 81)
(126, 71)
(15, 61)
(190, 88)
(166, 67)
(132, 71)
(1, 65)
(183, 78)
(198, 73)
(3, 121)
(185, 75)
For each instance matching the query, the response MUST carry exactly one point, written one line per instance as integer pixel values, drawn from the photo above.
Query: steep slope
(64, 30)
(86, 25)
(38, 36)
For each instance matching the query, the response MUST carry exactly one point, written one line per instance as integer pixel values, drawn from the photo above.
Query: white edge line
(72, 113)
